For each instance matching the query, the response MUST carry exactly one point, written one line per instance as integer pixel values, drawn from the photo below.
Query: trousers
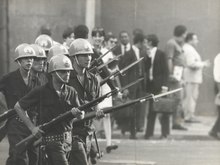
(190, 99)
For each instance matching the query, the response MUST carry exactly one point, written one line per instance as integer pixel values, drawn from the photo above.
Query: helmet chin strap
(60, 77)
(19, 63)
(77, 62)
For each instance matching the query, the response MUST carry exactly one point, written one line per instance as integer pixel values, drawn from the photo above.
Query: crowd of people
(54, 78)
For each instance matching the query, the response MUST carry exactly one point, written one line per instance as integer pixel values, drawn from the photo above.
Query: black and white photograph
(109, 82)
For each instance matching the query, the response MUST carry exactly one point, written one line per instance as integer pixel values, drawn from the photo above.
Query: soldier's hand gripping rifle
(22, 145)
(120, 72)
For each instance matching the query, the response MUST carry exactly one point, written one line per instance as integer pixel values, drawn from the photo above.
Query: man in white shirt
(192, 76)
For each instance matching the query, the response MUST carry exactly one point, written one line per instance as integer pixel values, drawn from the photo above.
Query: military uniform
(58, 140)
(13, 87)
(82, 132)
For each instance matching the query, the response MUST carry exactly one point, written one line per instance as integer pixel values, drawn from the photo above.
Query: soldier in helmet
(45, 41)
(54, 98)
(38, 77)
(88, 88)
(57, 50)
(13, 86)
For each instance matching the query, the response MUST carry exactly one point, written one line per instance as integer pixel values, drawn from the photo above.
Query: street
(192, 147)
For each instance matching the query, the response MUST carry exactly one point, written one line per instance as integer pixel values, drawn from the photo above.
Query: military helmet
(80, 46)
(45, 41)
(40, 53)
(59, 62)
(24, 50)
(57, 49)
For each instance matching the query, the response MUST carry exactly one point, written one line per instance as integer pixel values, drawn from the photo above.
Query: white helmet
(59, 62)
(80, 46)
(24, 50)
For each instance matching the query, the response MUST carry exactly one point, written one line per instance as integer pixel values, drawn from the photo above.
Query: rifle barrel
(8, 114)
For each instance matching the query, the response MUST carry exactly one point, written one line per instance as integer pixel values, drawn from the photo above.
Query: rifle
(96, 61)
(45, 127)
(68, 115)
(116, 73)
(98, 68)
(7, 115)
(11, 113)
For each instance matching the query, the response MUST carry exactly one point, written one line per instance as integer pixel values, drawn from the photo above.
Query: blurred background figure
(138, 47)
(216, 71)
(157, 76)
(176, 64)
(98, 36)
(81, 31)
(68, 37)
(126, 120)
(192, 76)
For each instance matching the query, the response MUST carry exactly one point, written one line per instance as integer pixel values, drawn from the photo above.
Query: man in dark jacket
(157, 75)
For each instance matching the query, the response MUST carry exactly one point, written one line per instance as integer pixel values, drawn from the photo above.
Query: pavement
(192, 147)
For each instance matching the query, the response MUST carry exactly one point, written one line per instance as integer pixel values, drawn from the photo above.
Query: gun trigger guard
(122, 74)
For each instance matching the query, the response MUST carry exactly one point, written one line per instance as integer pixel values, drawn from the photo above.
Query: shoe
(214, 135)
(179, 127)
(192, 121)
(147, 137)
(163, 137)
(112, 147)
(132, 137)
(93, 160)
(140, 130)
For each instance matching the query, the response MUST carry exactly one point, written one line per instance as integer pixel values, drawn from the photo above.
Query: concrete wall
(27, 16)
(160, 17)
(3, 37)
(153, 16)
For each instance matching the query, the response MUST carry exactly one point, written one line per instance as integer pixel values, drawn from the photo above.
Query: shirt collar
(128, 46)
(153, 52)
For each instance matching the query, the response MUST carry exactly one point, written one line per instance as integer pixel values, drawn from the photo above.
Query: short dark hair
(153, 39)
(108, 36)
(67, 32)
(137, 31)
(98, 30)
(81, 31)
(138, 38)
(123, 31)
(179, 30)
(45, 29)
(189, 37)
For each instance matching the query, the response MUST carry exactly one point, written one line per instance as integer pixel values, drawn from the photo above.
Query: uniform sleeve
(170, 50)
(75, 98)
(3, 104)
(3, 83)
(31, 99)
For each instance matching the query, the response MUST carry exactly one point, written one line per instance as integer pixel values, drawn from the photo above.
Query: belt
(66, 136)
